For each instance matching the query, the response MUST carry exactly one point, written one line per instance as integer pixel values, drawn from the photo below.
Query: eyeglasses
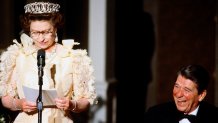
(45, 34)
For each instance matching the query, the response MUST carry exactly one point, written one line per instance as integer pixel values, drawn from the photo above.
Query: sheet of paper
(48, 96)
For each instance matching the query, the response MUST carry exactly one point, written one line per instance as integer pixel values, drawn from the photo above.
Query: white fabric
(69, 71)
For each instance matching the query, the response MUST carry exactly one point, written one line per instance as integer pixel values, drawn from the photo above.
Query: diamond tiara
(41, 7)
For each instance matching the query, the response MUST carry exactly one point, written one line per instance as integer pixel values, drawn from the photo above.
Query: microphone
(40, 61)
(40, 64)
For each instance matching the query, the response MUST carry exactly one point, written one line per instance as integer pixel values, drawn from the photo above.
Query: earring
(56, 37)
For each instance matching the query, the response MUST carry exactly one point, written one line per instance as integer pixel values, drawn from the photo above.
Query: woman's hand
(18, 104)
(62, 103)
(72, 105)
(28, 106)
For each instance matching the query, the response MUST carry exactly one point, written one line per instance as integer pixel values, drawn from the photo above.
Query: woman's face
(43, 34)
(185, 94)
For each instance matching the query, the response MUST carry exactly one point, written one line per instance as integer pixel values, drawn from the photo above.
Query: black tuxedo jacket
(168, 113)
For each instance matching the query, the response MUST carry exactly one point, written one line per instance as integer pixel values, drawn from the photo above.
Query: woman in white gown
(68, 71)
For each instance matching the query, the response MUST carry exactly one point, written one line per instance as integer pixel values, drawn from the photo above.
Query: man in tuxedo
(189, 91)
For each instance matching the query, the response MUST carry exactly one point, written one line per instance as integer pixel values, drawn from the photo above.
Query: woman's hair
(197, 74)
(56, 19)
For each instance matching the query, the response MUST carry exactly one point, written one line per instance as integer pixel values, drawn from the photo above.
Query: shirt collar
(195, 111)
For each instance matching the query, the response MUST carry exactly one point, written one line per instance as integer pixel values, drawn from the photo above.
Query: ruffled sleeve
(83, 78)
(7, 65)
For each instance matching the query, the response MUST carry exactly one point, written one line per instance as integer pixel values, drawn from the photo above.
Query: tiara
(41, 7)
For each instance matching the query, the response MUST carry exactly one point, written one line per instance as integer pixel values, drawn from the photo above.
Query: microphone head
(41, 57)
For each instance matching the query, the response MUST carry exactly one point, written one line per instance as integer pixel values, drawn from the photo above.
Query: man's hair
(197, 74)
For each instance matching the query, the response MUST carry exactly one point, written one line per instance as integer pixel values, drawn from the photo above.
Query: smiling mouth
(43, 42)
(181, 102)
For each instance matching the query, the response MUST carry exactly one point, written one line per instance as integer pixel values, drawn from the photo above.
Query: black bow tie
(191, 118)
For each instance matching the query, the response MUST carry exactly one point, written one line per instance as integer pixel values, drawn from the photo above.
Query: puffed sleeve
(7, 65)
(83, 79)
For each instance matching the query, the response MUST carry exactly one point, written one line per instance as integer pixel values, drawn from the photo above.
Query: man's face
(186, 95)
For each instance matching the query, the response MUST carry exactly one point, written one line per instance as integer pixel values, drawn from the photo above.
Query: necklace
(50, 55)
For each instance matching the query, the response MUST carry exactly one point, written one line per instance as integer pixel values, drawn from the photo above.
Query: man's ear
(202, 95)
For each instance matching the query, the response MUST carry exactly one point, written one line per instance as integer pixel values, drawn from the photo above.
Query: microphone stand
(39, 99)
